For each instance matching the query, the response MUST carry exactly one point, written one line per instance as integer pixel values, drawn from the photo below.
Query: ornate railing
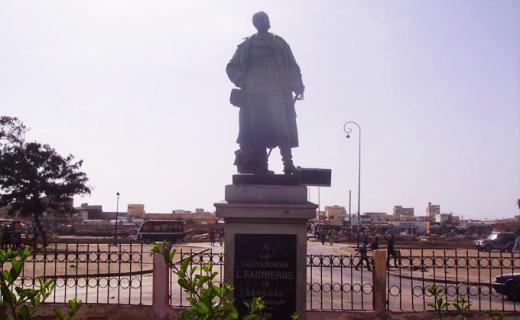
(458, 273)
(93, 273)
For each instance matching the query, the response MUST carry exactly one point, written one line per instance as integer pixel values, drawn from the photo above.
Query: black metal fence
(341, 282)
(93, 273)
(197, 260)
(333, 282)
(459, 273)
(122, 274)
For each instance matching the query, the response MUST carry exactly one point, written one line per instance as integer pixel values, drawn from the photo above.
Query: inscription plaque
(265, 266)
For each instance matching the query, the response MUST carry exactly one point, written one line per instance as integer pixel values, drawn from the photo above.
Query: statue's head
(261, 21)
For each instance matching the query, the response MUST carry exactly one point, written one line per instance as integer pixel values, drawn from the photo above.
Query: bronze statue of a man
(266, 73)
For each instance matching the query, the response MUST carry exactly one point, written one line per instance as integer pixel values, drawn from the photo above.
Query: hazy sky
(138, 90)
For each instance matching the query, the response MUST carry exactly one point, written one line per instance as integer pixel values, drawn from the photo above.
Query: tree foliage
(12, 132)
(34, 178)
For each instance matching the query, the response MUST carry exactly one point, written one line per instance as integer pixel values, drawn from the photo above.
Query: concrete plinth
(266, 245)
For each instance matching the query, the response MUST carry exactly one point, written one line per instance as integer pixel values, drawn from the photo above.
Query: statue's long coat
(264, 67)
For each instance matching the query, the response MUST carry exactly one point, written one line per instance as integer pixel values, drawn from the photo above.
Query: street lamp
(347, 127)
(117, 214)
(349, 216)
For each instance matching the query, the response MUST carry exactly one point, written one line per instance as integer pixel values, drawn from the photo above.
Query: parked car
(504, 241)
(13, 233)
(508, 285)
(158, 230)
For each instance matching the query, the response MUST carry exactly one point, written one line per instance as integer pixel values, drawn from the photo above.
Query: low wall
(129, 312)
(103, 312)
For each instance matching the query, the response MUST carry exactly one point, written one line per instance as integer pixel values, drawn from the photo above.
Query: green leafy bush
(208, 301)
(439, 303)
(22, 303)
(463, 306)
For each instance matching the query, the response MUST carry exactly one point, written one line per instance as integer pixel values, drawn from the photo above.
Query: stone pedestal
(266, 245)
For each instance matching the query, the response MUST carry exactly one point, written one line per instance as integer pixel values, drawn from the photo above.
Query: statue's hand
(241, 81)
(299, 92)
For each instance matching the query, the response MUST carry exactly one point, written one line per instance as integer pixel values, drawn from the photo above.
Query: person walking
(516, 248)
(363, 252)
(331, 234)
(375, 243)
(322, 235)
(35, 234)
(212, 236)
(391, 252)
(221, 236)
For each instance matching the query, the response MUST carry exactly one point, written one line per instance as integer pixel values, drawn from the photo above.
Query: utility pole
(319, 200)
(347, 128)
(349, 215)
(117, 214)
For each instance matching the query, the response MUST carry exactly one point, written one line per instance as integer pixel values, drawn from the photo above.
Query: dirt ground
(72, 260)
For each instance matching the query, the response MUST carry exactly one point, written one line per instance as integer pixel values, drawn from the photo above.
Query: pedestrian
(332, 235)
(391, 251)
(221, 236)
(5, 236)
(363, 252)
(322, 235)
(212, 236)
(375, 243)
(516, 248)
(35, 235)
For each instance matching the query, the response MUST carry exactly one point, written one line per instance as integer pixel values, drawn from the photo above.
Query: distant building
(411, 227)
(188, 216)
(400, 211)
(335, 214)
(91, 212)
(511, 225)
(456, 220)
(422, 219)
(433, 210)
(136, 210)
(111, 215)
(363, 219)
(424, 223)
(179, 211)
(377, 217)
(444, 218)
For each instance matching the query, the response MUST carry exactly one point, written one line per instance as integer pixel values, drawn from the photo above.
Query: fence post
(379, 275)
(161, 290)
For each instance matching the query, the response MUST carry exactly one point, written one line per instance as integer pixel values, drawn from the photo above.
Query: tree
(12, 132)
(34, 178)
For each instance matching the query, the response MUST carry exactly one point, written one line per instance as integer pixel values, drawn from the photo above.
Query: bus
(159, 230)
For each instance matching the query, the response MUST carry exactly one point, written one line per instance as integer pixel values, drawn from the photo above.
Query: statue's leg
(251, 160)
(288, 165)
(261, 164)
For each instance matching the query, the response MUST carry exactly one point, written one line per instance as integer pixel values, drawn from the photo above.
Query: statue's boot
(262, 166)
(288, 165)
(289, 168)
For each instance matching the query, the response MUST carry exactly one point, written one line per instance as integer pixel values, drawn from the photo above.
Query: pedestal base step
(304, 176)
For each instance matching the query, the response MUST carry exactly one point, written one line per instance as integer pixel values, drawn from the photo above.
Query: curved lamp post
(347, 127)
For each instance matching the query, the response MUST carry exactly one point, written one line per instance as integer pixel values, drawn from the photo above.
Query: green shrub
(439, 303)
(208, 301)
(22, 303)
